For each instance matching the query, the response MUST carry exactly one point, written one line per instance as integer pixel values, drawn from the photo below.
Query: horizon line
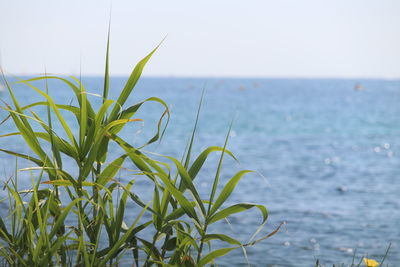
(256, 77)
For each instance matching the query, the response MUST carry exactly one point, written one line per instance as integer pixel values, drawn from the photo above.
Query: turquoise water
(328, 158)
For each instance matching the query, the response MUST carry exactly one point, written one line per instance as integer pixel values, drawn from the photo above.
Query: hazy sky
(256, 38)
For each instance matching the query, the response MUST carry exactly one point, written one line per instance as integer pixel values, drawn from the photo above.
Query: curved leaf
(111, 170)
(198, 163)
(236, 209)
(130, 84)
(183, 201)
(221, 237)
(215, 254)
(34, 160)
(57, 112)
(188, 182)
(70, 84)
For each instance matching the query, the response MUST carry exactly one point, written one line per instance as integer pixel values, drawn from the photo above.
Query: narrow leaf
(236, 209)
(215, 254)
(133, 78)
(227, 190)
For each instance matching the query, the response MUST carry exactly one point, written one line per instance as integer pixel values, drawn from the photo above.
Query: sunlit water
(328, 158)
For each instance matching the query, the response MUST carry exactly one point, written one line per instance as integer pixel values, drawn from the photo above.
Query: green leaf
(136, 157)
(121, 211)
(150, 249)
(54, 147)
(3, 231)
(6, 255)
(188, 183)
(106, 74)
(57, 112)
(88, 165)
(83, 118)
(138, 201)
(183, 201)
(35, 160)
(130, 84)
(215, 254)
(156, 207)
(170, 244)
(217, 174)
(199, 162)
(176, 213)
(129, 112)
(74, 110)
(30, 139)
(113, 251)
(189, 152)
(58, 243)
(111, 170)
(62, 144)
(227, 190)
(251, 243)
(67, 183)
(236, 209)
(71, 85)
(60, 220)
(100, 114)
(18, 207)
(221, 237)
(137, 229)
(99, 120)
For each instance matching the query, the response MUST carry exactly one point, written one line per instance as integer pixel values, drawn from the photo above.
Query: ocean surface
(326, 154)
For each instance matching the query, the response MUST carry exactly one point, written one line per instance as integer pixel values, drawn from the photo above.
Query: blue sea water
(326, 156)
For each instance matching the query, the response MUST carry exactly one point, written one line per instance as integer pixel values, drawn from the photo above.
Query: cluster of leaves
(37, 233)
(367, 261)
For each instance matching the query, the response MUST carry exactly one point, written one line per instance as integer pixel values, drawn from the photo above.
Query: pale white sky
(254, 38)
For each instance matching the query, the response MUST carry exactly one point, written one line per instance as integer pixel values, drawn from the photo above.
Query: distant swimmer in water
(358, 87)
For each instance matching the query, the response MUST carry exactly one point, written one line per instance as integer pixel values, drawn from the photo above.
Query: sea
(325, 155)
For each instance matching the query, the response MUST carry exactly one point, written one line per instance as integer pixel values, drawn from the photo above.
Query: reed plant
(89, 224)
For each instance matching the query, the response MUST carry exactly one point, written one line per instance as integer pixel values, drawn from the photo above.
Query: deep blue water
(328, 158)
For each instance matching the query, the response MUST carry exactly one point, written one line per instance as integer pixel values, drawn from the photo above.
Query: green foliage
(92, 228)
(363, 261)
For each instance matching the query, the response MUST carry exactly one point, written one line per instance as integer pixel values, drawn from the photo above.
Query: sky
(229, 38)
